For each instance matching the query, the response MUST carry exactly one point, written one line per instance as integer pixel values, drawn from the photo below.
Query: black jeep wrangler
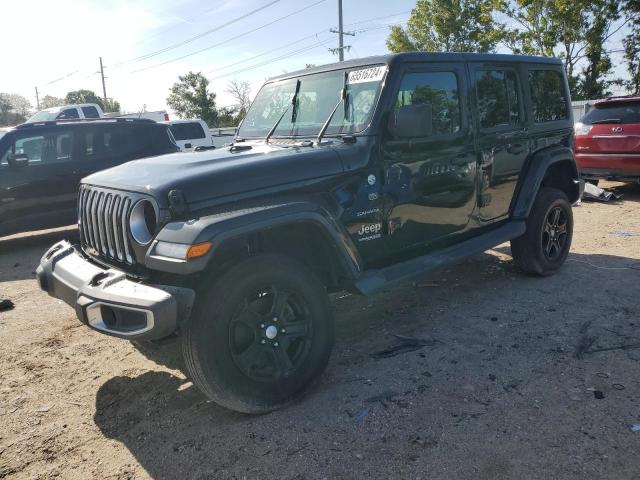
(353, 176)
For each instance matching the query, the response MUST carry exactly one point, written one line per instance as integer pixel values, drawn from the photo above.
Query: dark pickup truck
(353, 176)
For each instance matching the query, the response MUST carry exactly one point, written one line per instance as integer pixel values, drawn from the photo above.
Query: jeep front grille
(103, 221)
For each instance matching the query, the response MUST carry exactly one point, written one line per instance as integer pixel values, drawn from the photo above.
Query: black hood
(204, 176)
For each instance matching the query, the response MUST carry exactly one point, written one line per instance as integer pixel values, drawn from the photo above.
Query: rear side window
(187, 131)
(440, 90)
(548, 96)
(498, 99)
(68, 113)
(616, 113)
(115, 142)
(90, 112)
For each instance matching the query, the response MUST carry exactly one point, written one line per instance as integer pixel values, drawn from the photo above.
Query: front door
(41, 192)
(430, 182)
(503, 139)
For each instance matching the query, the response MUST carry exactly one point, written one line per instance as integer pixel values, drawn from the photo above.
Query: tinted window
(617, 113)
(187, 131)
(112, 142)
(440, 90)
(498, 100)
(90, 112)
(41, 148)
(68, 113)
(548, 96)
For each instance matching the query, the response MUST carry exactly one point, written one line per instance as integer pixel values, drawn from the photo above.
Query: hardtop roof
(395, 58)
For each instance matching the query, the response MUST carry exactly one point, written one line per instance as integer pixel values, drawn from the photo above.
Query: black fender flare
(534, 174)
(222, 227)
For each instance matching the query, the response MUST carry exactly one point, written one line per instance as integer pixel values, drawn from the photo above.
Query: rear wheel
(545, 245)
(259, 335)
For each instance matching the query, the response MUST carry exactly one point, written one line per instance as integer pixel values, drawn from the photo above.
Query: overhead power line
(230, 39)
(195, 37)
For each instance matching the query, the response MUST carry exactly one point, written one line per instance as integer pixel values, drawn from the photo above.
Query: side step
(373, 281)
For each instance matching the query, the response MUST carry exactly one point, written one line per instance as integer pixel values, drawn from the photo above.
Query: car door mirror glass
(18, 160)
(411, 121)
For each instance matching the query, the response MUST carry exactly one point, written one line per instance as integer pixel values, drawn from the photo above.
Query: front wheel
(544, 247)
(260, 334)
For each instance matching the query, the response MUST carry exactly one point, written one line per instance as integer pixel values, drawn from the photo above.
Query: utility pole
(37, 99)
(104, 89)
(341, 33)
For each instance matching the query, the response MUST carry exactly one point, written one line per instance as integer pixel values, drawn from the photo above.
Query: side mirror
(411, 121)
(18, 160)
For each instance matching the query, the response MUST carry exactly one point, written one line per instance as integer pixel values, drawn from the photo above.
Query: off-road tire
(222, 312)
(530, 249)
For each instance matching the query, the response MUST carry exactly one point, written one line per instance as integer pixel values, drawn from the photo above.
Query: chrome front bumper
(105, 300)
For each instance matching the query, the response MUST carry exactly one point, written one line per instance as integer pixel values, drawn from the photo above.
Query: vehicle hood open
(205, 176)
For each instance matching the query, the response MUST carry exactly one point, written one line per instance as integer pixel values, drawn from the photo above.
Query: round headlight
(143, 222)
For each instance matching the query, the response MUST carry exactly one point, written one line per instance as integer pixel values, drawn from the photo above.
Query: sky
(146, 44)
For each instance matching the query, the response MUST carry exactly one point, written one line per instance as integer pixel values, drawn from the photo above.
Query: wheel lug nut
(275, 319)
(283, 331)
(263, 341)
(262, 325)
(275, 344)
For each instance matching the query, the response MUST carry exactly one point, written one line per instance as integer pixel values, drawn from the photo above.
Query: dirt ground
(517, 377)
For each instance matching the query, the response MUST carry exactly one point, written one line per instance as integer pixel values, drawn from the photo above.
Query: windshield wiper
(343, 98)
(607, 120)
(293, 104)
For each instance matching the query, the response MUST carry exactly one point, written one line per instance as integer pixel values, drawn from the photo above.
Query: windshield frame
(301, 77)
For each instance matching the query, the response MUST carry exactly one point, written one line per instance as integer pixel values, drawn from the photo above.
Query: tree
(241, 93)
(632, 45)
(110, 105)
(14, 109)
(82, 96)
(448, 25)
(49, 101)
(190, 98)
(594, 82)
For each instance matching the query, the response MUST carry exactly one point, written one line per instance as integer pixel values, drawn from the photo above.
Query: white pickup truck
(191, 135)
(67, 112)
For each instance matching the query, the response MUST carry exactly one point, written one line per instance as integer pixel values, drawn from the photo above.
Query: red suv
(608, 140)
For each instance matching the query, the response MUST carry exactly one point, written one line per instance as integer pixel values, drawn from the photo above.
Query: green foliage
(82, 96)
(14, 109)
(49, 101)
(448, 25)
(632, 45)
(190, 98)
(89, 96)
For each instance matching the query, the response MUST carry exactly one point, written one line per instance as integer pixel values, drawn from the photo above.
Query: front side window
(548, 96)
(440, 91)
(68, 113)
(317, 97)
(42, 148)
(498, 99)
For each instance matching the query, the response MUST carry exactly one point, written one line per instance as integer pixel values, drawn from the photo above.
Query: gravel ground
(514, 377)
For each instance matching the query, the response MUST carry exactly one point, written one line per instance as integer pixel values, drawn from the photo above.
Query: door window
(90, 112)
(41, 148)
(498, 99)
(548, 96)
(440, 90)
(187, 131)
(68, 113)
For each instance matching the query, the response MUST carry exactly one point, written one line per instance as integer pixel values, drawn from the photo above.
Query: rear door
(503, 138)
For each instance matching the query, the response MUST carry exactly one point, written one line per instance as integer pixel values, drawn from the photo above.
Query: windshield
(318, 96)
(616, 113)
(42, 116)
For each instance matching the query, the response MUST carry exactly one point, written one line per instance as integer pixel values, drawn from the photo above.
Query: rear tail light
(582, 129)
